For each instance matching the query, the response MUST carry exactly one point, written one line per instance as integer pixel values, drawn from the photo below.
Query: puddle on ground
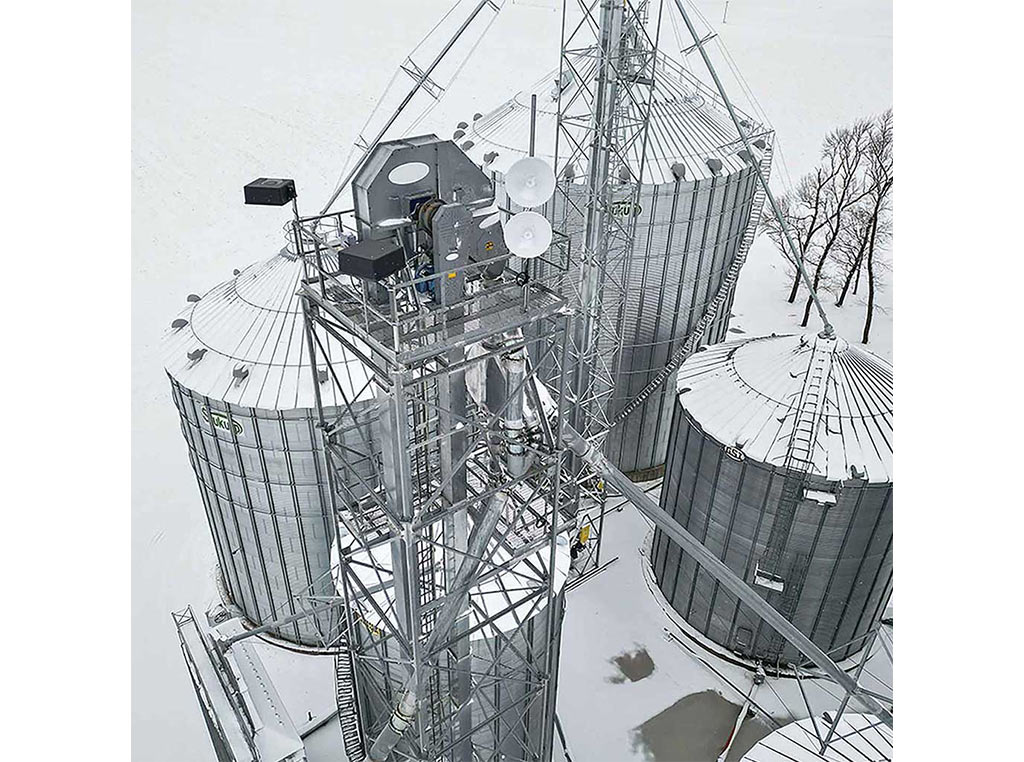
(696, 729)
(633, 665)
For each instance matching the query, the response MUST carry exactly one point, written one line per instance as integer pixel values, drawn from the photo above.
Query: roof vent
(193, 298)
(321, 376)
(624, 174)
(178, 324)
(715, 165)
(196, 355)
(459, 134)
(679, 171)
(569, 173)
(240, 373)
(467, 145)
(477, 116)
(462, 125)
(236, 271)
(760, 144)
(490, 156)
(745, 156)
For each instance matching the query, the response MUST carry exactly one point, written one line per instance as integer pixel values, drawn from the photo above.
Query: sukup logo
(625, 208)
(222, 421)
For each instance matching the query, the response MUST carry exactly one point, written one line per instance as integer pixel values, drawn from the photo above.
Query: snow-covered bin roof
(745, 394)
(251, 329)
(687, 126)
(858, 738)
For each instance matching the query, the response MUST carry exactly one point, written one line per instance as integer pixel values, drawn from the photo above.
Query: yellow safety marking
(375, 631)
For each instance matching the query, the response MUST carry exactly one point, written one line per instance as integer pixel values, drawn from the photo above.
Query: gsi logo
(735, 453)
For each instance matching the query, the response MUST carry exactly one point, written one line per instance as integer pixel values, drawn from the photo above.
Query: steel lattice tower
(602, 134)
(449, 563)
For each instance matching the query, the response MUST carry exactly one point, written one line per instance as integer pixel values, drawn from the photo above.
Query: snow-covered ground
(608, 715)
(228, 91)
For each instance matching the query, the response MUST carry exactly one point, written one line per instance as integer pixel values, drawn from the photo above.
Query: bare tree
(844, 153)
(804, 212)
(840, 214)
(880, 181)
(852, 245)
(819, 203)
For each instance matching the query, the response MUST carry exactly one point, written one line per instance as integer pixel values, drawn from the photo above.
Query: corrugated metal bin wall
(262, 477)
(686, 238)
(520, 658)
(729, 504)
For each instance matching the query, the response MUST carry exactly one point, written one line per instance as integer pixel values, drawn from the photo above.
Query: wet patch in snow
(633, 665)
(696, 729)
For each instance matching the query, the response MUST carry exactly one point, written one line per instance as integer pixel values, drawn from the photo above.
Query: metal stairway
(348, 708)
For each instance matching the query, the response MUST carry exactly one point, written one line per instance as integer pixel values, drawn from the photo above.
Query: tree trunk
(817, 276)
(855, 270)
(796, 287)
(806, 244)
(871, 283)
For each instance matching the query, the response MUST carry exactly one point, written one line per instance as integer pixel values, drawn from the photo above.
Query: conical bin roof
(746, 394)
(688, 126)
(243, 342)
(858, 738)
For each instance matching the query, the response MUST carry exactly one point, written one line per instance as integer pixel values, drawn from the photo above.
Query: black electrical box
(270, 191)
(373, 260)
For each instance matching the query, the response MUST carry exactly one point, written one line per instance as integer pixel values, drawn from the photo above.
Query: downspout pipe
(827, 330)
(514, 422)
(457, 598)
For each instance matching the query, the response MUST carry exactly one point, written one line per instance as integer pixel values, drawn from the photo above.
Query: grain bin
(697, 208)
(240, 377)
(780, 461)
(857, 738)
